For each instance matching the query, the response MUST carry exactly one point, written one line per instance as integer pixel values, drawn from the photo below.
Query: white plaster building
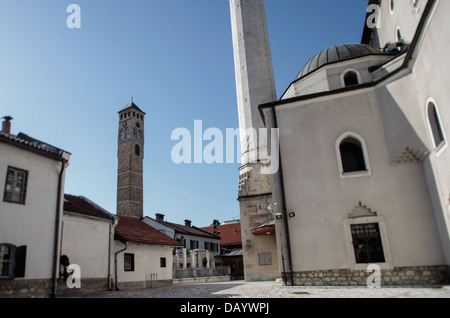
(32, 182)
(364, 175)
(143, 256)
(195, 255)
(87, 241)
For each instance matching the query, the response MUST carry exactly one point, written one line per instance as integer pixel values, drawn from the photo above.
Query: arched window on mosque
(435, 125)
(352, 155)
(350, 79)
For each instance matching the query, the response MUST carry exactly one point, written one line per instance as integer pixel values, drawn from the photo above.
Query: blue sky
(65, 86)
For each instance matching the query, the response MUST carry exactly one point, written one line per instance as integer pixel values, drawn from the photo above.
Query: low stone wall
(179, 273)
(41, 288)
(413, 275)
(88, 285)
(25, 288)
(144, 284)
(211, 279)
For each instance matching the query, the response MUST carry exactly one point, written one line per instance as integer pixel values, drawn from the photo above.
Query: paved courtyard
(241, 289)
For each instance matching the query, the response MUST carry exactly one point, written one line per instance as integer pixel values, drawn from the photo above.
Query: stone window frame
(438, 149)
(391, 6)
(361, 219)
(398, 34)
(356, 174)
(346, 72)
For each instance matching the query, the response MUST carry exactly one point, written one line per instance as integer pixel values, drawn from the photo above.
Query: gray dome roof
(338, 54)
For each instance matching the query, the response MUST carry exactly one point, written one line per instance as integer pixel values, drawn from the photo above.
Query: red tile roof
(229, 233)
(190, 230)
(134, 230)
(82, 205)
(25, 142)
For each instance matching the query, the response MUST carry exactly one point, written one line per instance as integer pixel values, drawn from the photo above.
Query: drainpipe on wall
(115, 265)
(109, 257)
(111, 226)
(57, 228)
(283, 207)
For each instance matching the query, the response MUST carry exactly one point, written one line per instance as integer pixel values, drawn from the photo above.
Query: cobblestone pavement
(241, 289)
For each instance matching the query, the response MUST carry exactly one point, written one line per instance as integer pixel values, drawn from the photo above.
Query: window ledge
(440, 148)
(355, 174)
(363, 266)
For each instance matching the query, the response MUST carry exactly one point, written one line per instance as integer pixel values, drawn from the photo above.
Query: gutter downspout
(111, 226)
(283, 201)
(57, 229)
(115, 265)
(109, 255)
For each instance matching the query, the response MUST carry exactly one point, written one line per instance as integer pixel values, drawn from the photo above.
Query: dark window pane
(350, 79)
(352, 156)
(435, 124)
(15, 186)
(367, 243)
(20, 260)
(129, 262)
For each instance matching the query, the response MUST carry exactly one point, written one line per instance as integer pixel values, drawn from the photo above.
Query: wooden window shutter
(20, 261)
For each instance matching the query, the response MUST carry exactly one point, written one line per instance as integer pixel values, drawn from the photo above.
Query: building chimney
(159, 217)
(187, 223)
(6, 126)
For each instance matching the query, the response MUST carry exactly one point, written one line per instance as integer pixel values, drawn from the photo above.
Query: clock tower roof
(132, 105)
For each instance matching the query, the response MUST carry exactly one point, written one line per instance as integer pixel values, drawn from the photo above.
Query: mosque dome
(338, 54)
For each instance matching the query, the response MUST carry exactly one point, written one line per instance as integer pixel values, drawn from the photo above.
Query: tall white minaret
(255, 82)
(255, 85)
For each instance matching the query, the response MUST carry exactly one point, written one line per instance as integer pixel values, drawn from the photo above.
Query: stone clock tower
(130, 161)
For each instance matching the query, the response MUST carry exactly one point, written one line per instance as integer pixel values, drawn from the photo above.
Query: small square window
(15, 185)
(265, 259)
(367, 243)
(128, 262)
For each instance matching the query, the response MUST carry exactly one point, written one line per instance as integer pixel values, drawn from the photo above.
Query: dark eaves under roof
(27, 143)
